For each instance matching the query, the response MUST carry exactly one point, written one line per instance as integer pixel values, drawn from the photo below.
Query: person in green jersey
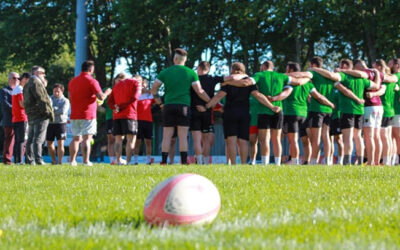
(295, 109)
(253, 132)
(177, 80)
(394, 66)
(387, 99)
(334, 131)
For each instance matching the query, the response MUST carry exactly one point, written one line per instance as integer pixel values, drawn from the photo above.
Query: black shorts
(109, 126)
(56, 131)
(236, 124)
(317, 119)
(351, 121)
(176, 115)
(334, 128)
(125, 127)
(200, 121)
(303, 128)
(387, 122)
(293, 123)
(270, 121)
(145, 130)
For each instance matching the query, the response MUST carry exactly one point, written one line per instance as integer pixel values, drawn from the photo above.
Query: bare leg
(231, 149)
(118, 147)
(52, 151)
(130, 144)
(253, 147)
(264, 139)
(73, 148)
(327, 143)
(277, 144)
(243, 150)
(315, 143)
(370, 144)
(60, 151)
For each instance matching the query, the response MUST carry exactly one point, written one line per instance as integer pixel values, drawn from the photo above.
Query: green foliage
(270, 207)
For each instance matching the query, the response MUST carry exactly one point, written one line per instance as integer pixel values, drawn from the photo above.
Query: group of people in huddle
(355, 105)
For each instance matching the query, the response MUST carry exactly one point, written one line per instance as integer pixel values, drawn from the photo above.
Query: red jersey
(18, 112)
(82, 95)
(144, 107)
(376, 100)
(125, 94)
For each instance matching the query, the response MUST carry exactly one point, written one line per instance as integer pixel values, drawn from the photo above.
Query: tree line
(42, 32)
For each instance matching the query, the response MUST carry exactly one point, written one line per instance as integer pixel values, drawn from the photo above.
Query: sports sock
(183, 157)
(148, 159)
(360, 159)
(313, 161)
(329, 161)
(164, 156)
(253, 162)
(277, 161)
(199, 159)
(135, 159)
(205, 159)
(264, 160)
(340, 160)
(295, 161)
(347, 160)
(112, 159)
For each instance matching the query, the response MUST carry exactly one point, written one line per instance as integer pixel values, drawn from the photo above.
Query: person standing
(39, 111)
(6, 108)
(394, 66)
(177, 80)
(123, 102)
(83, 92)
(20, 119)
(58, 129)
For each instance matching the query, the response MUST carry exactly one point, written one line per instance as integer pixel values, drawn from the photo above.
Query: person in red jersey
(123, 102)
(19, 119)
(145, 120)
(83, 91)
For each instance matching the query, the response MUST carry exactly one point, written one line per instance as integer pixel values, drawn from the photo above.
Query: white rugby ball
(181, 200)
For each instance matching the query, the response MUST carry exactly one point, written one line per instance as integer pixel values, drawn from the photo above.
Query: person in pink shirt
(84, 90)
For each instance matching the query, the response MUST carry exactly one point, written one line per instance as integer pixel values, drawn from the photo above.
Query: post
(80, 35)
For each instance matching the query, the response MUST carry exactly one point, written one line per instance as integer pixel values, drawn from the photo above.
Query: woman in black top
(236, 114)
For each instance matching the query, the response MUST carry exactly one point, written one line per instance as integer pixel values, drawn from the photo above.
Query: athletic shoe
(73, 163)
(88, 164)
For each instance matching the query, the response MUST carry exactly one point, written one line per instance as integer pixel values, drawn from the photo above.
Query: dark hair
(180, 52)
(268, 64)
(204, 65)
(358, 62)
(36, 68)
(25, 75)
(346, 61)
(295, 67)
(396, 61)
(238, 68)
(87, 65)
(59, 85)
(317, 61)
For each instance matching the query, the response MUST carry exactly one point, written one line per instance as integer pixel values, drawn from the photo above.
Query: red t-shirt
(144, 107)
(82, 96)
(376, 100)
(18, 112)
(125, 94)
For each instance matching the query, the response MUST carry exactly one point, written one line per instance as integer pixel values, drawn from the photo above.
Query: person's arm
(221, 94)
(306, 74)
(327, 74)
(375, 84)
(4, 100)
(354, 73)
(264, 100)
(381, 91)
(103, 95)
(390, 78)
(282, 96)
(200, 91)
(348, 93)
(321, 99)
(111, 103)
(298, 81)
(245, 82)
(154, 91)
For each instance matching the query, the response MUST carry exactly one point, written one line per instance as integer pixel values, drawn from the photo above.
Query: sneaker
(41, 163)
(88, 164)
(73, 163)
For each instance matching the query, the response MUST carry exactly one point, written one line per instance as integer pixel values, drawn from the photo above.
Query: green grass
(100, 207)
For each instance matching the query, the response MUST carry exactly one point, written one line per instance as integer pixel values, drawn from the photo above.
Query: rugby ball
(181, 200)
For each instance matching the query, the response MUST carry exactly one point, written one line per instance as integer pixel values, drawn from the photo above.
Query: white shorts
(373, 116)
(396, 121)
(83, 127)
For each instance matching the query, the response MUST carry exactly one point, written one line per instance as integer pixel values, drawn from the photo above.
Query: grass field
(100, 207)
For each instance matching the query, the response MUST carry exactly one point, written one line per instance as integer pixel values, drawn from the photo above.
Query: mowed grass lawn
(100, 207)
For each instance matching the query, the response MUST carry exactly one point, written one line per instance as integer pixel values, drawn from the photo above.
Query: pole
(80, 35)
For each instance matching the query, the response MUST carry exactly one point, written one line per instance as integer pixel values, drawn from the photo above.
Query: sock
(199, 159)
(360, 160)
(277, 161)
(305, 163)
(183, 157)
(386, 161)
(112, 159)
(148, 159)
(164, 156)
(253, 162)
(135, 159)
(264, 160)
(205, 159)
(347, 160)
(295, 161)
(340, 160)
(394, 160)
(324, 161)
(313, 161)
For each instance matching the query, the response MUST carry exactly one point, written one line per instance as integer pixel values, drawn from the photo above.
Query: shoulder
(17, 90)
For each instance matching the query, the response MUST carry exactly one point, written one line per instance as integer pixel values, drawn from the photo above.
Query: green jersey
(397, 96)
(325, 87)
(296, 103)
(357, 86)
(253, 111)
(270, 83)
(178, 80)
(388, 99)
(109, 112)
(336, 111)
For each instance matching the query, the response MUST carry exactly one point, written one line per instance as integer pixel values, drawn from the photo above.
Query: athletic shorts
(176, 115)
(109, 126)
(293, 123)
(83, 127)
(200, 121)
(270, 121)
(236, 124)
(318, 118)
(334, 128)
(56, 131)
(145, 130)
(351, 121)
(303, 128)
(373, 116)
(253, 130)
(396, 121)
(125, 127)
(387, 122)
